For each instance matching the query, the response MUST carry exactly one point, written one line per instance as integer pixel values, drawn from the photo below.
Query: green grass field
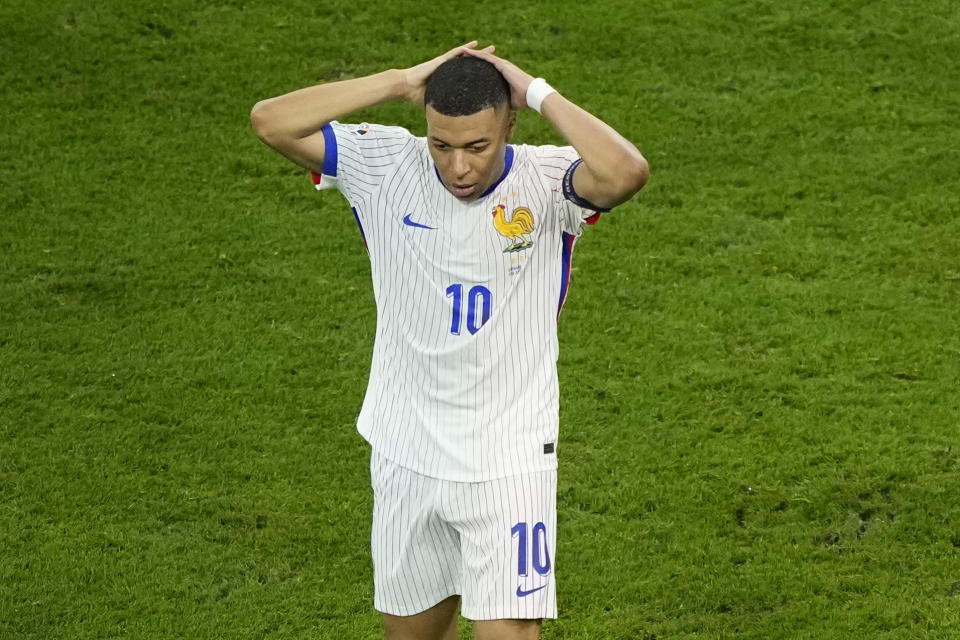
(760, 354)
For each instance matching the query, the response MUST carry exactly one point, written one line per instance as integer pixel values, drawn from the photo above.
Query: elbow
(262, 123)
(633, 173)
(636, 174)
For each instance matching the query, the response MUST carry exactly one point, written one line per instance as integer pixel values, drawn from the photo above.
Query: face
(468, 150)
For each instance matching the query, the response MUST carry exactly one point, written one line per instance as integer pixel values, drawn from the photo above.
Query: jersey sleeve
(557, 165)
(358, 156)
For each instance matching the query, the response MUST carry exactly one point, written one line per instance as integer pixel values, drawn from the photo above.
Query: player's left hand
(518, 79)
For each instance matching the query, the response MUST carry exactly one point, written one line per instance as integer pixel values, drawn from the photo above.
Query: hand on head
(518, 79)
(416, 77)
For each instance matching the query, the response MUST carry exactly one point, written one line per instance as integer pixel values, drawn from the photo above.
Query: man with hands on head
(470, 241)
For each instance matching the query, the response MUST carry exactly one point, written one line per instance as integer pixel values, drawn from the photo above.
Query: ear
(511, 125)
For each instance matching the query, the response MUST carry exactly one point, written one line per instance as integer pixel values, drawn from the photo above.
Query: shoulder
(367, 132)
(376, 146)
(359, 156)
(546, 158)
(548, 162)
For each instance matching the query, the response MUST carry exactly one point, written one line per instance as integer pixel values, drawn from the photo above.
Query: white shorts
(490, 542)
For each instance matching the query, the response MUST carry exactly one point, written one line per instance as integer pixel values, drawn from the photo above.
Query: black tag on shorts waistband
(548, 448)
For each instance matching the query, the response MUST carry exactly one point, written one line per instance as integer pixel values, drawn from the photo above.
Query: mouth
(462, 191)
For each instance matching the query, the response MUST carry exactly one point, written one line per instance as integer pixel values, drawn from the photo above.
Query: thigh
(506, 629)
(439, 622)
(416, 556)
(508, 539)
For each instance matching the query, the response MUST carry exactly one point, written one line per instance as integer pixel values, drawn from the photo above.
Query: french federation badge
(516, 229)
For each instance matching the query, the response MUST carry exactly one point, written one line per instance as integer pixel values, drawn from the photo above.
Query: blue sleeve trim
(330, 151)
(570, 193)
(356, 216)
(567, 240)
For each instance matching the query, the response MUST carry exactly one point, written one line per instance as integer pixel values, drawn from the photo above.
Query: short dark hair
(465, 85)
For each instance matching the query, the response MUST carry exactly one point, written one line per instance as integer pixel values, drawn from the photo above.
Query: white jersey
(463, 382)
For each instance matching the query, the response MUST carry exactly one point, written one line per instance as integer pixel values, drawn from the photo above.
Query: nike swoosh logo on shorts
(410, 223)
(522, 594)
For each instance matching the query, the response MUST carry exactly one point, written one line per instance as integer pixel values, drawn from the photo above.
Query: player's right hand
(415, 78)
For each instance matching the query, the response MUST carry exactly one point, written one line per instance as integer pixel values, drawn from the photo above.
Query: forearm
(614, 168)
(291, 123)
(301, 113)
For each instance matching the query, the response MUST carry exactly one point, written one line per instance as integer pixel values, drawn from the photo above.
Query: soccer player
(469, 239)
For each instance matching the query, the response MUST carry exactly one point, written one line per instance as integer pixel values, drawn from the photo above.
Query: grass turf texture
(759, 362)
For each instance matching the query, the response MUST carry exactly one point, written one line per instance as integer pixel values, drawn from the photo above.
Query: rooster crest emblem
(516, 228)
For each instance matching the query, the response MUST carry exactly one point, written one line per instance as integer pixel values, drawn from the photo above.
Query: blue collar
(507, 164)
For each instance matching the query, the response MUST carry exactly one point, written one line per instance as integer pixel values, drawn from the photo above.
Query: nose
(459, 164)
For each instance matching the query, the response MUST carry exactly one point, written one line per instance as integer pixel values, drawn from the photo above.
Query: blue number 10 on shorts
(490, 542)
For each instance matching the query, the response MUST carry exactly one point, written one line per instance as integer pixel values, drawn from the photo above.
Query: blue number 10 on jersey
(478, 298)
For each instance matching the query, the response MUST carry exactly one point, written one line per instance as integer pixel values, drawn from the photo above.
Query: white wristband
(537, 92)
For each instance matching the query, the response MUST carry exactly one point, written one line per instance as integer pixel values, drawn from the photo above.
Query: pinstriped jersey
(463, 380)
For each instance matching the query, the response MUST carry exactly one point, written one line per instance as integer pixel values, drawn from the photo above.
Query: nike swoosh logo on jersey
(522, 594)
(410, 223)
